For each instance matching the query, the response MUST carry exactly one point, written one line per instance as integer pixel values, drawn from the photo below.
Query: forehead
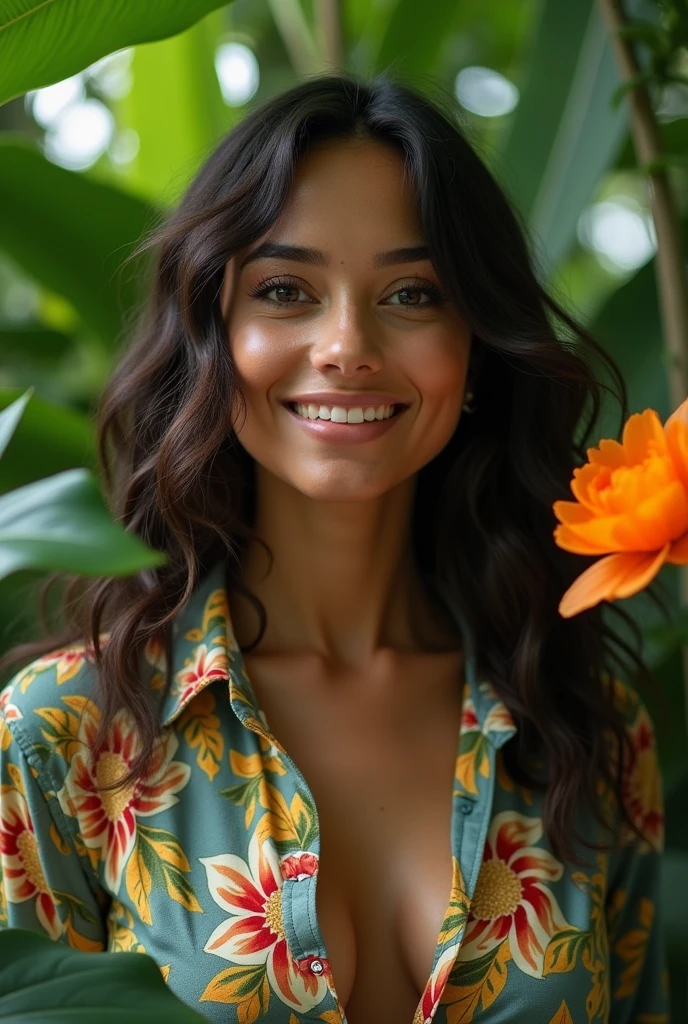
(352, 188)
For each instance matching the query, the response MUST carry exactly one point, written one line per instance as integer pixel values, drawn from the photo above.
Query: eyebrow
(317, 258)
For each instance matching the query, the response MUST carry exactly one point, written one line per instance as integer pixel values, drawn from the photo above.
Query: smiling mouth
(340, 415)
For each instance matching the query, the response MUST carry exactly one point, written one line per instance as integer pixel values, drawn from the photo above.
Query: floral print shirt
(210, 863)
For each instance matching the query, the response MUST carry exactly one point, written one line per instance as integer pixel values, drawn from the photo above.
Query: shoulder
(638, 764)
(42, 704)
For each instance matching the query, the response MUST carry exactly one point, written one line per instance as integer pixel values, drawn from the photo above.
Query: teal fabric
(210, 864)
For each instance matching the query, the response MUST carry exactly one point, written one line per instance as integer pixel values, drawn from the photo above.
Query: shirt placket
(471, 815)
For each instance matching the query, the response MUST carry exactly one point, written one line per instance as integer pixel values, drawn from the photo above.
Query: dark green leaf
(50, 438)
(35, 344)
(62, 523)
(45, 980)
(71, 234)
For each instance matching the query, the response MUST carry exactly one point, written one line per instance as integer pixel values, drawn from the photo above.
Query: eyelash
(261, 290)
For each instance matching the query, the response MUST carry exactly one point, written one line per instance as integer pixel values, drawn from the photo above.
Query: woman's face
(342, 320)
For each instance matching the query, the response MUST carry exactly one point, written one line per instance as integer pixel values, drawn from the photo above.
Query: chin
(341, 490)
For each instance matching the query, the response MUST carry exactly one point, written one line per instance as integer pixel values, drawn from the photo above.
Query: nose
(347, 340)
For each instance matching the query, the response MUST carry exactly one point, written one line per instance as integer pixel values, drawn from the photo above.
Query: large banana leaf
(70, 233)
(564, 133)
(42, 42)
(47, 439)
(48, 981)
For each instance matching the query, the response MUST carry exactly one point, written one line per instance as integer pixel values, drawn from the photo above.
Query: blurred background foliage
(89, 161)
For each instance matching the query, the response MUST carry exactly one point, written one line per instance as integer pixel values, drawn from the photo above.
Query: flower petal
(532, 862)
(483, 936)
(643, 434)
(511, 831)
(657, 519)
(619, 575)
(570, 540)
(608, 453)
(678, 552)
(528, 940)
(677, 446)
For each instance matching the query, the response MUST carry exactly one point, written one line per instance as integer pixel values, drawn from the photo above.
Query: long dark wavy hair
(176, 475)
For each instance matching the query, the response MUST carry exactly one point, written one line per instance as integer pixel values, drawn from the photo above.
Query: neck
(343, 583)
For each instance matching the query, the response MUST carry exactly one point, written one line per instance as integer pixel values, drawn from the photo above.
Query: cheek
(261, 361)
(438, 369)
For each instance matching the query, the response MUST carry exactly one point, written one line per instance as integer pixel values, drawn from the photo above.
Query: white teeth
(338, 414)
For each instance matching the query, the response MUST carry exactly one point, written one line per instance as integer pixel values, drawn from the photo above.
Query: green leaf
(40, 345)
(564, 133)
(62, 523)
(50, 438)
(48, 981)
(9, 419)
(44, 41)
(429, 35)
(71, 234)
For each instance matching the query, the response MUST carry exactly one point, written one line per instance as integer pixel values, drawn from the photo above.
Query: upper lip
(347, 399)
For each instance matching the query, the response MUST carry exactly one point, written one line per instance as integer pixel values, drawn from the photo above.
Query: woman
(345, 418)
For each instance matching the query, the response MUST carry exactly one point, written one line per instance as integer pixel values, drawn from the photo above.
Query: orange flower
(632, 506)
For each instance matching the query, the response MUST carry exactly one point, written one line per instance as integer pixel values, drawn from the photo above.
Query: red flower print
(205, 666)
(22, 871)
(511, 900)
(107, 820)
(252, 894)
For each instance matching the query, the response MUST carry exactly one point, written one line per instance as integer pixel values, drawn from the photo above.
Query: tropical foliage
(151, 87)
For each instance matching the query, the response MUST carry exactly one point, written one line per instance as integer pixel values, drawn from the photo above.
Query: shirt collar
(204, 649)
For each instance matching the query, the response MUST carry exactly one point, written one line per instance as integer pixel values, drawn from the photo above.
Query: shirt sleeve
(46, 883)
(639, 992)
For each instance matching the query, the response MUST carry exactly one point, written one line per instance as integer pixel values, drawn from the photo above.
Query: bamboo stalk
(670, 260)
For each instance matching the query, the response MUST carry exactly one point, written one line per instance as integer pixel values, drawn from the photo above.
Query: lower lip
(347, 433)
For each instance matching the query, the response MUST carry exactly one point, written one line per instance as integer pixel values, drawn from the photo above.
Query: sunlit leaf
(43, 42)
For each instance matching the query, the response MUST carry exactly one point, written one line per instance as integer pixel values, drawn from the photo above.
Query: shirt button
(466, 807)
(317, 966)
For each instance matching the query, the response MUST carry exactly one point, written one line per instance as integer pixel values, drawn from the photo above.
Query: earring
(468, 405)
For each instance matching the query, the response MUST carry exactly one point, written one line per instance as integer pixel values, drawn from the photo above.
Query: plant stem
(670, 261)
(296, 35)
(329, 30)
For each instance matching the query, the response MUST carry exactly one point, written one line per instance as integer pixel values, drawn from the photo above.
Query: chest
(379, 757)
